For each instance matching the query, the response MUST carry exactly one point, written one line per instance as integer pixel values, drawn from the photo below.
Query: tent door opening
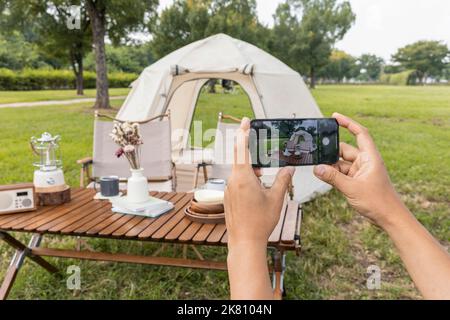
(183, 98)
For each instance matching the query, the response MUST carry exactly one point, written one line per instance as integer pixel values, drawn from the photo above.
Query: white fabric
(156, 157)
(274, 90)
(196, 156)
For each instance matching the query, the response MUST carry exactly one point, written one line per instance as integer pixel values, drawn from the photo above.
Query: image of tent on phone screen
(288, 142)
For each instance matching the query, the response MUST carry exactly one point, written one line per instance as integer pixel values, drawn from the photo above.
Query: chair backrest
(224, 147)
(156, 158)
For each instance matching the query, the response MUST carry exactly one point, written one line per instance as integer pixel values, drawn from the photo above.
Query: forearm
(427, 262)
(248, 272)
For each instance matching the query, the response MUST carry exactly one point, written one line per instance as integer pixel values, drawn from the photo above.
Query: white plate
(209, 196)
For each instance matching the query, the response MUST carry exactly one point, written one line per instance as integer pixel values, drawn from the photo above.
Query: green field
(411, 126)
(46, 95)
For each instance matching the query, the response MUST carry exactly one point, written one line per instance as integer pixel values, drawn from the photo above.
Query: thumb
(332, 176)
(281, 183)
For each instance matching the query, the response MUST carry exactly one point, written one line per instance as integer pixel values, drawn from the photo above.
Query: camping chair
(156, 154)
(220, 162)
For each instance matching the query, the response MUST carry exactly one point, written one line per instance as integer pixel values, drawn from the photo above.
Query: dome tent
(174, 83)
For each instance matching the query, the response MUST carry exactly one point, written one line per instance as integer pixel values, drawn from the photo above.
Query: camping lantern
(49, 177)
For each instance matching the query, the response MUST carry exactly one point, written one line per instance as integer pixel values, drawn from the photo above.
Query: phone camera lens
(325, 141)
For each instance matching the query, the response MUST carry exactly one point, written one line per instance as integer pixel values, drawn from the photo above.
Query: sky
(382, 26)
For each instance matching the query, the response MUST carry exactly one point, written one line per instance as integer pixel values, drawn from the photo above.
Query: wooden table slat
(72, 216)
(141, 226)
(290, 223)
(203, 233)
(171, 224)
(216, 234)
(160, 221)
(224, 238)
(87, 226)
(190, 232)
(56, 213)
(109, 229)
(103, 224)
(175, 232)
(92, 216)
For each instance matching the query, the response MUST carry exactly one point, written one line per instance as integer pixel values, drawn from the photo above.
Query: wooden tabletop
(84, 216)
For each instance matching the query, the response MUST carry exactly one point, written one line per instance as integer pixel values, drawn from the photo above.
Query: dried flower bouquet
(127, 136)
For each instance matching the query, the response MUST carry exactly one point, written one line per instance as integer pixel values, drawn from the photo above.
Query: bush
(41, 79)
(400, 79)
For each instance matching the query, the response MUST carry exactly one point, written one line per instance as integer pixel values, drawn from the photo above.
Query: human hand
(251, 210)
(361, 176)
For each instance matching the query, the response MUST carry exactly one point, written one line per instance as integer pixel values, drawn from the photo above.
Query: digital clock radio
(17, 198)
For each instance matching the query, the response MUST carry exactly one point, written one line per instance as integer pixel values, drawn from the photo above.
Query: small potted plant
(127, 136)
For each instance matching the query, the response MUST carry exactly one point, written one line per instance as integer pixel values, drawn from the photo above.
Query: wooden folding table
(85, 217)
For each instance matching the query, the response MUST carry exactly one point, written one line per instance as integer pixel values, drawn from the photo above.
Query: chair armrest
(85, 161)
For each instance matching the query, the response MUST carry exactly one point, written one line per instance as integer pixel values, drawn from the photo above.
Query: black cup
(109, 186)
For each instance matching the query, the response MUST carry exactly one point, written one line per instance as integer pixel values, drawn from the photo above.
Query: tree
(125, 58)
(16, 53)
(370, 67)
(178, 25)
(186, 21)
(46, 24)
(391, 68)
(284, 30)
(427, 58)
(57, 40)
(117, 19)
(315, 26)
(341, 65)
(237, 18)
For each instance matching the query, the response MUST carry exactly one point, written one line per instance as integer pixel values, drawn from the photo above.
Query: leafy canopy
(309, 29)
(186, 21)
(428, 58)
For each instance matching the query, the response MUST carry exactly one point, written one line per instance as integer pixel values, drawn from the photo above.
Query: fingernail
(245, 122)
(320, 170)
(291, 170)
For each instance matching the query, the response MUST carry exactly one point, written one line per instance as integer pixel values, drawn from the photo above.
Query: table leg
(197, 170)
(22, 251)
(278, 261)
(205, 173)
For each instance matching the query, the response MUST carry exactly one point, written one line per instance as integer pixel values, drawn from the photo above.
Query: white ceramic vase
(137, 187)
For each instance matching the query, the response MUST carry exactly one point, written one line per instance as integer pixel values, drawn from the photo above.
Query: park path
(53, 102)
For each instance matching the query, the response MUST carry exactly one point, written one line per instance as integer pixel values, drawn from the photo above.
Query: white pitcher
(137, 188)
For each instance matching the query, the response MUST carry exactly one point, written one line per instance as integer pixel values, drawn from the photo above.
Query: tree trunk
(312, 76)
(98, 22)
(80, 76)
(76, 59)
(424, 78)
(212, 85)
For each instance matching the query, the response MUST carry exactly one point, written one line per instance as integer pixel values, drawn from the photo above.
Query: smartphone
(294, 142)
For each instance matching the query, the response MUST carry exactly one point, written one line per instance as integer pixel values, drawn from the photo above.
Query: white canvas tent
(174, 83)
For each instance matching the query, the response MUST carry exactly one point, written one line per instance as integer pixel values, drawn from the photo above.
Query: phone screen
(294, 142)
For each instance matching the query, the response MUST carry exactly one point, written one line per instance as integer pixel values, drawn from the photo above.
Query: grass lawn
(45, 95)
(411, 126)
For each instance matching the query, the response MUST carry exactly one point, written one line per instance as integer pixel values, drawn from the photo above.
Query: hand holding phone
(294, 142)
